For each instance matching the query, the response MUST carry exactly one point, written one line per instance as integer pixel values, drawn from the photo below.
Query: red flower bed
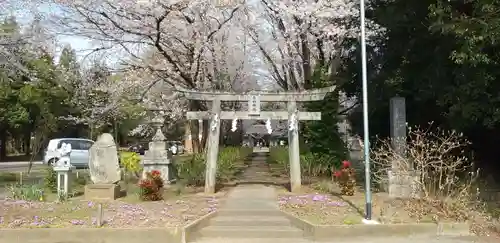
(345, 178)
(151, 187)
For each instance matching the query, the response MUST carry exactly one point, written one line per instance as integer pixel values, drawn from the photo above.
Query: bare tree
(180, 34)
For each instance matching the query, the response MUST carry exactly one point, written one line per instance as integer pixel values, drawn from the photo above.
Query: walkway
(258, 169)
(251, 212)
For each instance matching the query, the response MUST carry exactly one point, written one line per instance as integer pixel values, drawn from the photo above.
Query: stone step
(234, 199)
(255, 196)
(250, 221)
(249, 212)
(256, 206)
(252, 240)
(251, 232)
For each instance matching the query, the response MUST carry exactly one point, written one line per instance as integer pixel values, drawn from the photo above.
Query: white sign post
(63, 169)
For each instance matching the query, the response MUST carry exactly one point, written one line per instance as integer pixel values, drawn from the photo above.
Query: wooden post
(213, 149)
(293, 150)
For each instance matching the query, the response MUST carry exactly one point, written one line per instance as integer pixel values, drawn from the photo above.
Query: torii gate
(254, 98)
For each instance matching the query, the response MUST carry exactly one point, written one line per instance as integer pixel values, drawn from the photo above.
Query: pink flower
(155, 173)
(346, 164)
(337, 173)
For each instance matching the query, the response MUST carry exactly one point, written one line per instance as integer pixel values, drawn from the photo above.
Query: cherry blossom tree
(32, 35)
(162, 44)
(297, 36)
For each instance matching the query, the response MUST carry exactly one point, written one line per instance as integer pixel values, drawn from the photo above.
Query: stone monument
(104, 169)
(403, 181)
(63, 169)
(158, 157)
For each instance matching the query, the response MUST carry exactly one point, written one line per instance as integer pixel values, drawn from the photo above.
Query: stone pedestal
(102, 192)
(163, 165)
(63, 180)
(403, 184)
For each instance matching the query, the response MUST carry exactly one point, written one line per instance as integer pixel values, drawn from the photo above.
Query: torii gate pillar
(293, 150)
(213, 148)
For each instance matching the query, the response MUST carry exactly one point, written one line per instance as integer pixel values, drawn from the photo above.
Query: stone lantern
(158, 157)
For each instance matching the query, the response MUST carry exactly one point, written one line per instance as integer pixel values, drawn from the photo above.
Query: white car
(180, 147)
(79, 151)
(175, 147)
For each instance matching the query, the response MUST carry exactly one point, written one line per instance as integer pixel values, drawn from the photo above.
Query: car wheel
(52, 161)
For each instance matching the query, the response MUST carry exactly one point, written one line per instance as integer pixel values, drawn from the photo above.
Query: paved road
(19, 166)
(23, 165)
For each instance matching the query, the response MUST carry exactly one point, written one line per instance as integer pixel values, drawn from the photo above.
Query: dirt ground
(318, 207)
(174, 210)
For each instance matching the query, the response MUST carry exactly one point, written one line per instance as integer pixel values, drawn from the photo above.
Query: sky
(79, 44)
(83, 46)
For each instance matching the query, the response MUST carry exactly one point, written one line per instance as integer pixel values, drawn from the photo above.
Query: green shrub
(312, 165)
(245, 152)
(50, 180)
(226, 163)
(279, 156)
(317, 165)
(26, 192)
(191, 172)
(130, 162)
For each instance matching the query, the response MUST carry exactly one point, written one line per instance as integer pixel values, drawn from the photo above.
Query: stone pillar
(293, 149)
(213, 148)
(398, 126)
(402, 179)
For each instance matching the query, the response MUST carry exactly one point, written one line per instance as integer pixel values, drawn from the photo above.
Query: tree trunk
(195, 142)
(198, 146)
(27, 141)
(205, 132)
(306, 62)
(3, 143)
